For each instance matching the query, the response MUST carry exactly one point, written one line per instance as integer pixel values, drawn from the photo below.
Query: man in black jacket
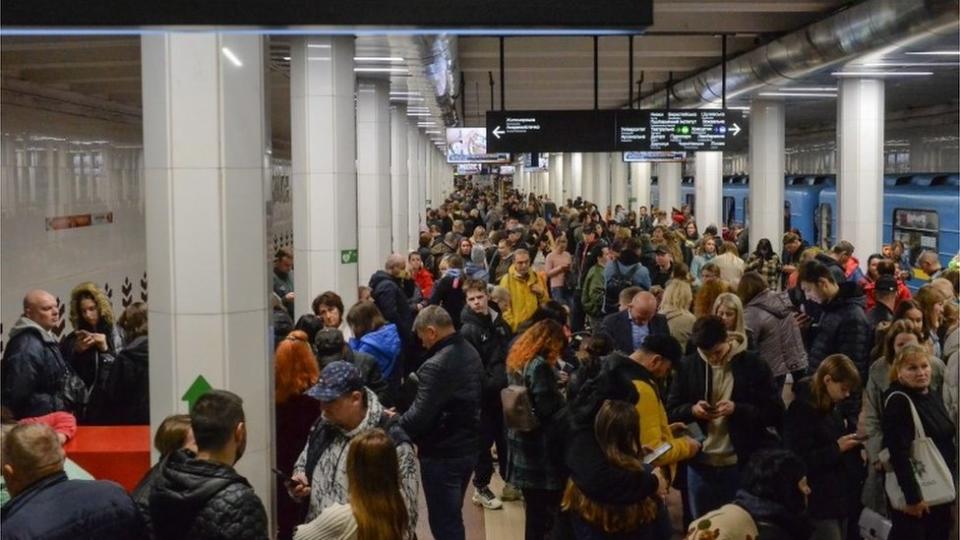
(390, 299)
(489, 334)
(201, 496)
(628, 328)
(33, 370)
(444, 420)
(47, 505)
(729, 391)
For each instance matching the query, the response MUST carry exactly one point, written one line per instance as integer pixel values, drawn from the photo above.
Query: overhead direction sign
(653, 156)
(691, 130)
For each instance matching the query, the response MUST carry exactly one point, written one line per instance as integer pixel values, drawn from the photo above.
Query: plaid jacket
(535, 458)
(769, 269)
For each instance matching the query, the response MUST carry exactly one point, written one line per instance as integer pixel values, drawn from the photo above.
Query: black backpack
(618, 282)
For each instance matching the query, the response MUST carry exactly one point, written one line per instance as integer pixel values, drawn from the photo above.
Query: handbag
(873, 526)
(518, 413)
(930, 470)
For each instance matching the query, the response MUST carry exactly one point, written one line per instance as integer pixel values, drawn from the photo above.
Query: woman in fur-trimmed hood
(94, 342)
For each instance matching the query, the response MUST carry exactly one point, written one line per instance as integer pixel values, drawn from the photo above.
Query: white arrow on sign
(496, 132)
(736, 129)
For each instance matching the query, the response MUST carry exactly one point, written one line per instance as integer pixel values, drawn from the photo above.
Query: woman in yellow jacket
(527, 290)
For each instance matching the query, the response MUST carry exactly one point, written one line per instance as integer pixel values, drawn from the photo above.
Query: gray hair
(434, 316)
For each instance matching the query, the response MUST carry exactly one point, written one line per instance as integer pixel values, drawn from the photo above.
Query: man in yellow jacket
(648, 364)
(527, 290)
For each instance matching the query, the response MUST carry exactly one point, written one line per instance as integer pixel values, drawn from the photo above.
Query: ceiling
(548, 72)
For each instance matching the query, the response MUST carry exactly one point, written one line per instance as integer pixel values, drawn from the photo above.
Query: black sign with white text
(689, 130)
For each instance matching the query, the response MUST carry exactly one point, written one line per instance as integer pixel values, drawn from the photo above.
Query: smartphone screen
(657, 452)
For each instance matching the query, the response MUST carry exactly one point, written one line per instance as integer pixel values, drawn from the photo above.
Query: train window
(918, 230)
(691, 200)
(786, 215)
(729, 207)
(824, 226)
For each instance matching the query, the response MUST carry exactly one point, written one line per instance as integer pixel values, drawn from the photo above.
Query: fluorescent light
(909, 64)
(796, 94)
(738, 108)
(231, 57)
(406, 98)
(287, 58)
(399, 93)
(418, 114)
(318, 45)
(377, 59)
(426, 124)
(432, 131)
(380, 70)
(935, 53)
(809, 89)
(881, 73)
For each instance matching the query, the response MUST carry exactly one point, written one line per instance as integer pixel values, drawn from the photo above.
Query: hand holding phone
(657, 453)
(703, 410)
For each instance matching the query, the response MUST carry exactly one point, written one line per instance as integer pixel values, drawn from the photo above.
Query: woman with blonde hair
(611, 493)
(376, 510)
(533, 464)
(931, 300)
(675, 306)
(729, 308)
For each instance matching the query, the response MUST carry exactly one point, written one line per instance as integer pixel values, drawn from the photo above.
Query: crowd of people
(595, 361)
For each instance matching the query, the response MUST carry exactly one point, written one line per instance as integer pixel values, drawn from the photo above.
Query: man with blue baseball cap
(349, 409)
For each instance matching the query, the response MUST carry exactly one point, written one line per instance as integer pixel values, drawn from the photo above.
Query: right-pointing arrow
(735, 129)
(496, 132)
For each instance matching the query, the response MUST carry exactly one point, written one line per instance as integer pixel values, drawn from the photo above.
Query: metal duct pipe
(869, 27)
(438, 55)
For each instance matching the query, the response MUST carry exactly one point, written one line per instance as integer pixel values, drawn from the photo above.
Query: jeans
(562, 295)
(541, 507)
(709, 488)
(491, 431)
(444, 485)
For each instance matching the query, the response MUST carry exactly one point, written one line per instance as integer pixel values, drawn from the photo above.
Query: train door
(919, 230)
(729, 209)
(824, 223)
(786, 216)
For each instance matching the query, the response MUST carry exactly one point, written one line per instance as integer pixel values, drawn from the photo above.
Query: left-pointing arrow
(735, 129)
(497, 132)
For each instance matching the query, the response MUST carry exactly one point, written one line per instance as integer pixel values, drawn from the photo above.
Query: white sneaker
(485, 498)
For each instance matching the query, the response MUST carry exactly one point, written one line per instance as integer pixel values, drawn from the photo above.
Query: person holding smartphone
(814, 429)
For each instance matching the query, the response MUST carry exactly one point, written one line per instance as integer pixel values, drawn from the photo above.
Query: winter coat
(680, 322)
(769, 318)
(92, 365)
(32, 372)
(731, 267)
(424, 280)
(843, 328)
(523, 301)
(697, 264)
(56, 508)
(592, 294)
(444, 419)
(448, 294)
(195, 499)
(392, 303)
(126, 393)
(951, 394)
(768, 268)
(619, 327)
(490, 336)
(812, 434)
(773, 520)
(641, 276)
(757, 403)
(383, 344)
(535, 458)
(294, 418)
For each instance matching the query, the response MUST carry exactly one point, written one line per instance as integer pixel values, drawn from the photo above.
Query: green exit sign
(348, 256)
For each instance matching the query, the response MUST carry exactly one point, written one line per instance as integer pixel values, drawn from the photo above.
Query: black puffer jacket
(444, 419)
(490, 336)
(127, 391)
(834, 477)
(197, 500)
(31, 372)
(843, 328)
(392, 303)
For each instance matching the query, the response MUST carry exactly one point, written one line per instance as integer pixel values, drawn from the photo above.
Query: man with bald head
(389, 297)
(32, 371)
(628, 328)
(46, 504)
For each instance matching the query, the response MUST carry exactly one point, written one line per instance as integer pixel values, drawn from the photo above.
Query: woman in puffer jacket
(769, 317)
(378, 338)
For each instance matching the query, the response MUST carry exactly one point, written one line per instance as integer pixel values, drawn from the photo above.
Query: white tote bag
(931, 471)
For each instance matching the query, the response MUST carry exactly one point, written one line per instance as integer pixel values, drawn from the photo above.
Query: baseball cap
(336, 379)
(886, 284)
(665, 346)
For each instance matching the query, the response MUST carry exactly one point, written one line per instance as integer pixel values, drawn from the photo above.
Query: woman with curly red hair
(295, 370)
(533, 463)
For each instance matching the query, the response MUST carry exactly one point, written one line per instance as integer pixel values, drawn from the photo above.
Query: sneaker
(510, 493)
(485, 498)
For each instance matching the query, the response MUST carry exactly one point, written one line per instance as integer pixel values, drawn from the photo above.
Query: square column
(323, 132)
(619, 173)
(415, 200)
(556, 172)
(708, 186)
(766, 172)
(589, 178)
(399, 181)
(207, 185)
(669, 176)
(576, 175)
(567, 176)
(640, 176)
(601, 173)
(860, 117)
(373, 175)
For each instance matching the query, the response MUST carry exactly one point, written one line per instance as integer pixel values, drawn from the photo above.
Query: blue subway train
(921, 210)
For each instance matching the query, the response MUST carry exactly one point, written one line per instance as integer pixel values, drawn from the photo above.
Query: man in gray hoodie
(33, 370)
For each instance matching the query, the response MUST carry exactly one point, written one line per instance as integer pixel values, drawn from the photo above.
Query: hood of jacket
(25, 324)
(483, 321)
(768, 511)
(184, 488)
(384, 340)
(672, 312)
(379, 277)
(773, 303)
(103, 304)
(738, 342)
(849, 294)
